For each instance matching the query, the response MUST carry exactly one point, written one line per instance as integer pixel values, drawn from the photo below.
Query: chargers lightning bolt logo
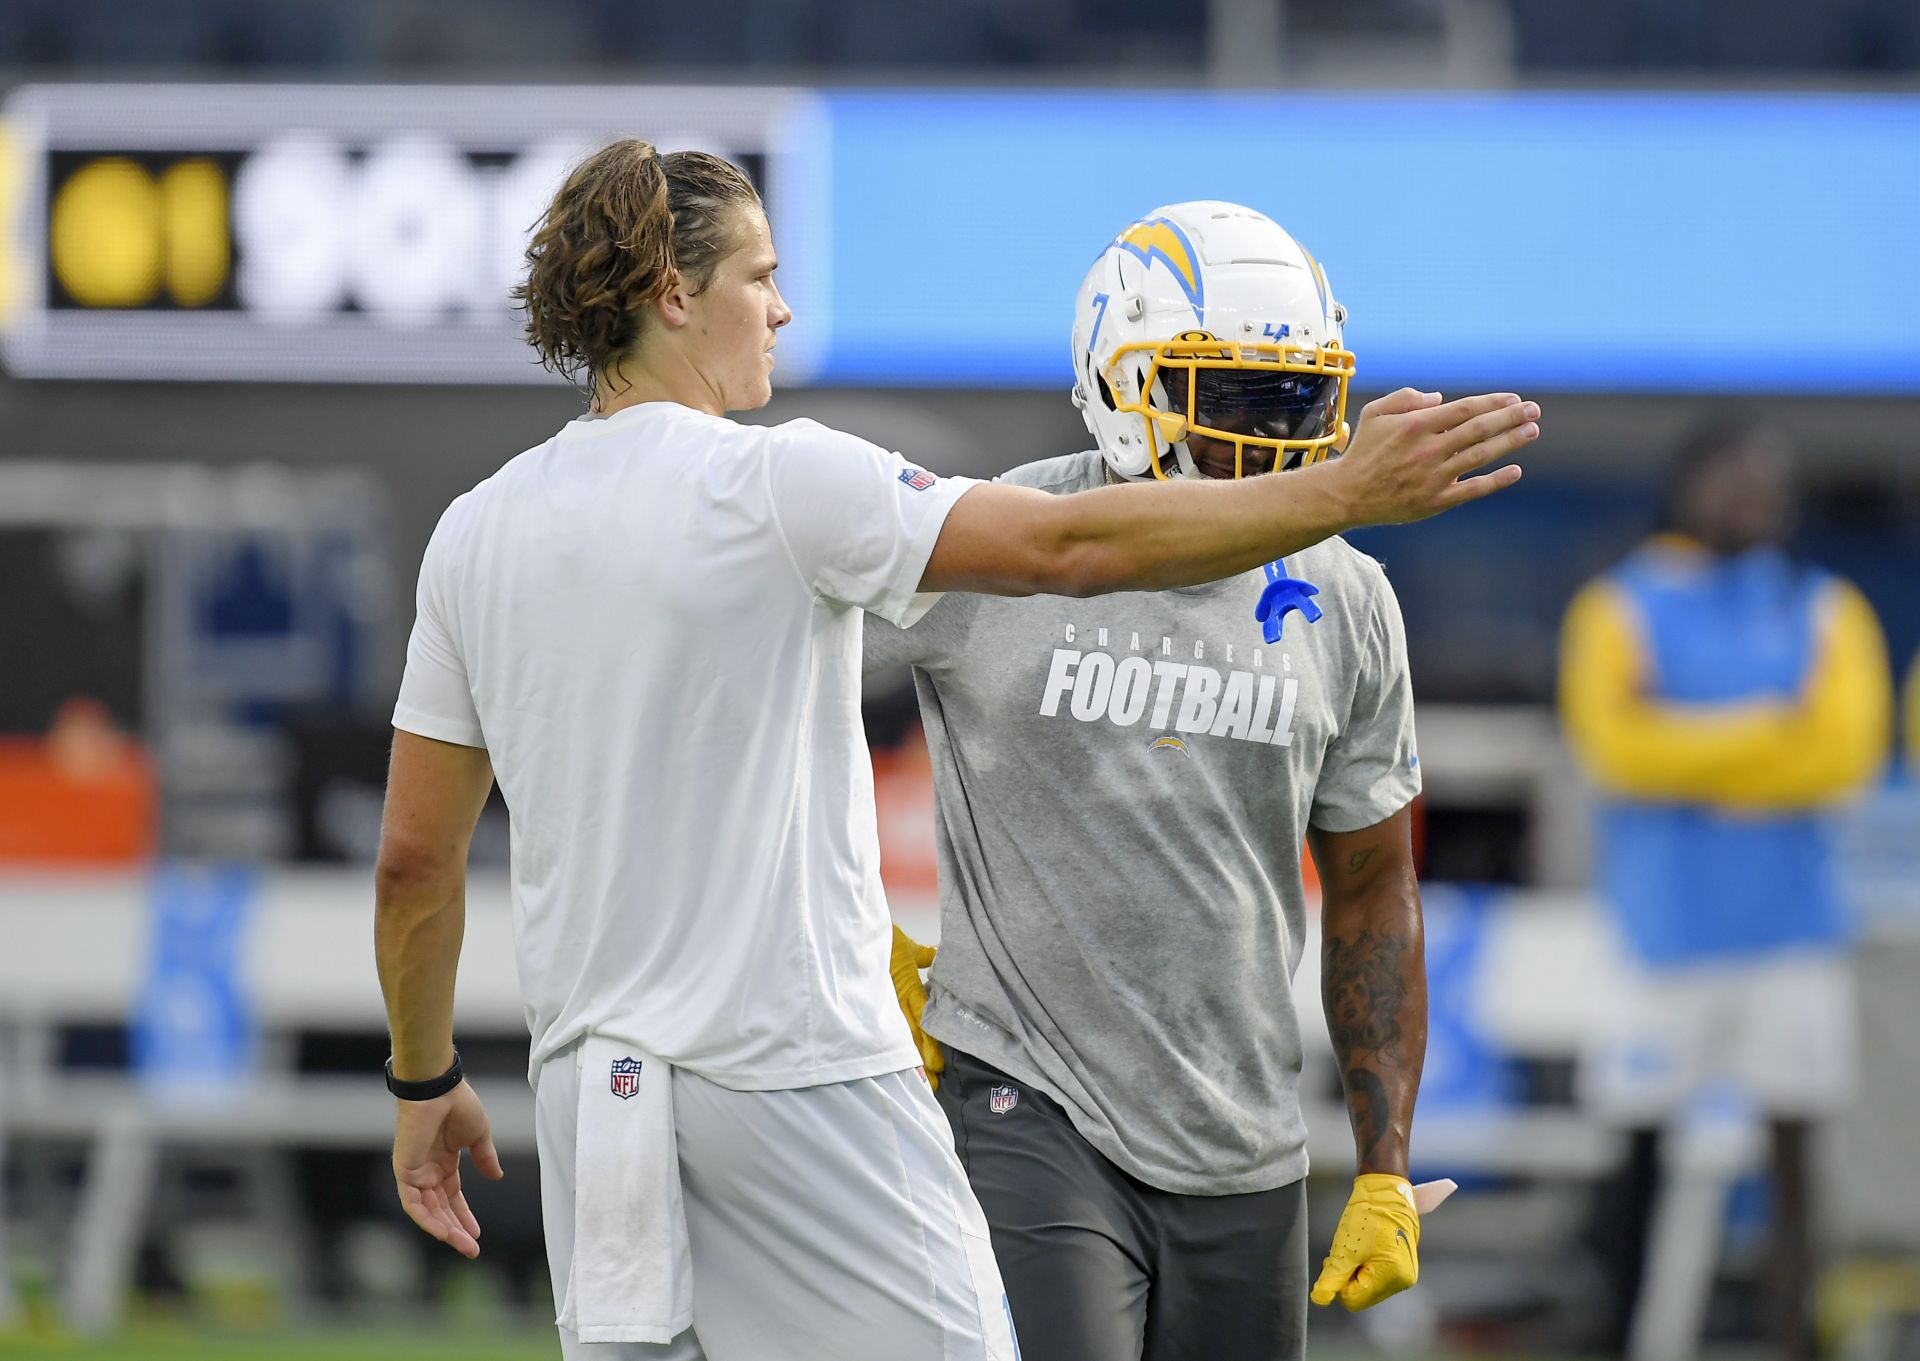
(1157, 238)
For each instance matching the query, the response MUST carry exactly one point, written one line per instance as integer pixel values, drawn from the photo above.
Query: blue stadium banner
(1605, 242)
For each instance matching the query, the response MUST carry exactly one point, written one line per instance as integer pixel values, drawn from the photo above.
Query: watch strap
(428, 1089)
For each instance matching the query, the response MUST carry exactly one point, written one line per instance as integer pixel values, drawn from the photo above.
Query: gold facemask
(1178, 364)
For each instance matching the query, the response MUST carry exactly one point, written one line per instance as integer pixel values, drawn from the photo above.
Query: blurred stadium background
(254, 257)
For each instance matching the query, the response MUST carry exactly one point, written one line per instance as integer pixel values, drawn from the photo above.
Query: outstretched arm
(1410, 458)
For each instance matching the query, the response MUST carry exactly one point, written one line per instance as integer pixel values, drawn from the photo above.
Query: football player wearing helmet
(1126, 788)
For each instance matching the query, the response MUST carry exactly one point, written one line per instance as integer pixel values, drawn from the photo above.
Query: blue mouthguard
(1284, 593)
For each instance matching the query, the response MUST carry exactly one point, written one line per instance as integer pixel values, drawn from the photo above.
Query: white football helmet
(1206, 319)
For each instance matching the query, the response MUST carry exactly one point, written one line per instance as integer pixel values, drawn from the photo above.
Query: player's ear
(674, 305)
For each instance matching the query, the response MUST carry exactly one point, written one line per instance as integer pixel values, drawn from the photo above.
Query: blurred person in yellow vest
(1724, 697)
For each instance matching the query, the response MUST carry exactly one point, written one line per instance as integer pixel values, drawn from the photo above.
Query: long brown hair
(624, 227)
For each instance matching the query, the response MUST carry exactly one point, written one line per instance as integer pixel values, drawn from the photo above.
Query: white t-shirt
(652, 622)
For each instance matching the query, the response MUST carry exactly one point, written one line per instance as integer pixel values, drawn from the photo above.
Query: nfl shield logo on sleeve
(626, 1077)
(918, 479)
(1000, 1100)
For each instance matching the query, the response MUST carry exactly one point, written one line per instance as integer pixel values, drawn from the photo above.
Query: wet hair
(627, 224)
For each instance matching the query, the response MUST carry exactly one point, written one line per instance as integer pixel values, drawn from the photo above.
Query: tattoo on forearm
(1374, 989)
(1368, 1110)
(1364, 993)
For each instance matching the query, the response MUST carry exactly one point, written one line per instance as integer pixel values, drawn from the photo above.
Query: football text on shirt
(1189, 697)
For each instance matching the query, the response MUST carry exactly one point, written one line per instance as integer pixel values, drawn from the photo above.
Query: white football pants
(830, 1223)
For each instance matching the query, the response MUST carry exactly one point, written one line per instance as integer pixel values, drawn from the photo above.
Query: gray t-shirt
(1124, 786)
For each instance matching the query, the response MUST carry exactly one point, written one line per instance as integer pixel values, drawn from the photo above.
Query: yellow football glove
(909, 958)
(1376, 1244)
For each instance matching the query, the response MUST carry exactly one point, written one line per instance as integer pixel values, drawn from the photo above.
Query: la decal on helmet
(1207, 320)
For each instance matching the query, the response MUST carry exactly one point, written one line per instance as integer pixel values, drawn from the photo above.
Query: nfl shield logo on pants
(1000, 1100)
(626, 1077)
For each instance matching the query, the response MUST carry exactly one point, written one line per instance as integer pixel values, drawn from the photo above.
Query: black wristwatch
(429, 1089)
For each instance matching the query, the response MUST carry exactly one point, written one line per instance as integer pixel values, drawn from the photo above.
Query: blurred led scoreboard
(311, 233)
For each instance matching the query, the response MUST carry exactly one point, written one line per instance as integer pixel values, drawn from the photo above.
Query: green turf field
(340, 1345)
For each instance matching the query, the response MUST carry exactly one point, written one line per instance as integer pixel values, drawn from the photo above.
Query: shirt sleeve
(1912, 716)
(934, 644)
(859, 522)
(887, 645)
(1372, 769)
(1842, 726)
(436, 699)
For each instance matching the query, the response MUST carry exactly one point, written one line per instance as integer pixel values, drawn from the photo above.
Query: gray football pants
(1100, 1266)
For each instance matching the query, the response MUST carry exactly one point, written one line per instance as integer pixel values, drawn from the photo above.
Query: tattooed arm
(1373, 981)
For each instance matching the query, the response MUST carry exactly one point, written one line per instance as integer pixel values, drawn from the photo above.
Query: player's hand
(909, 958)
(1376, 1244)
(1411, 456)
(428, 1139)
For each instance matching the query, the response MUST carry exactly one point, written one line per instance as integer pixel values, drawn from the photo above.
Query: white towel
(632, 1274)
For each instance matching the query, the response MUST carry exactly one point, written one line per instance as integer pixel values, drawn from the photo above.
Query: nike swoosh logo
(1401, 1234)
